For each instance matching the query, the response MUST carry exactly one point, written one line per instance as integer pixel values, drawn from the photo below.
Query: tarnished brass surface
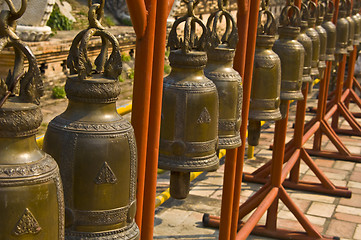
(94, 146)
(189, 128)
(266, 80)
(330, 30)
(351, 28)
(323, 39)
(342, 30)
(312, 33)
(357, 19)
(31, 193)
(220, 52)
(291, 53)
(306, 43)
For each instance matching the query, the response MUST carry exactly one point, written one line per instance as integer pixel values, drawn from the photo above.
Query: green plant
(167, 68)
(58, 21)
(126, 22)
(58, 92)
(167, 52)
(108, 21)
(126, 58)
(130, 73)
(121, 79)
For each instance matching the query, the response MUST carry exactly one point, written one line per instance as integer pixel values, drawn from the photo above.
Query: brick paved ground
(333, 216)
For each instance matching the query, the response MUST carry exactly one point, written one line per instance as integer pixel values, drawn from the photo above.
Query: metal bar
(155, 112)
(138, 14)
(339, 89)
(247, 25)
(141, 93)
(256, 216)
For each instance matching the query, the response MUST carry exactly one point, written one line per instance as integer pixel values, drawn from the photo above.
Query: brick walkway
(332, 216)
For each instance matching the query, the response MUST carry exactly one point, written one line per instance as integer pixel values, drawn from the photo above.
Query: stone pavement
(332, 216)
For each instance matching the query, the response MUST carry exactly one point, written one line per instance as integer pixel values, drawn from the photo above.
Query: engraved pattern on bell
(351, 29)
(342, 30)
(306, 43)
(219, 69)
(266, 80)
(323, 39)
(291, 53)
(30, 182)
(93, 145)
(330, 30)
(189, 125)
(312, 33)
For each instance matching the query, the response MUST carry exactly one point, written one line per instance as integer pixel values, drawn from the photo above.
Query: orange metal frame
(149, 19)
(267, 198)
(295, 150)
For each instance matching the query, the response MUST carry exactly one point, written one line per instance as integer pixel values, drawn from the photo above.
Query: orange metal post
(142, 86)
(154, 120)
(234, 164)
(251, 29)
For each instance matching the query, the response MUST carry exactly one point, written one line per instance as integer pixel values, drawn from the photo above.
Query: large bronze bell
(312, 33)
(189, 128)
(330, 30)
(306, 43)
(31, 193)
(323, 39)
(93, 145)
(357, 19)
(266, 80)
(291, 53)
(342, 30)
(351, 31)
(219, 69)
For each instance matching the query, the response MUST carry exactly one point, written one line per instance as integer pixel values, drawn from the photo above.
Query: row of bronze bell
(202, 98)
(307, 38)
(93, 196)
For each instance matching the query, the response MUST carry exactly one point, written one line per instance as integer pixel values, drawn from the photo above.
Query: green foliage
(126, 58)
(58, 92)
(58, 21)
(121, 79)
(108, 21)
(126, 22)
(167, 68)
(167, 52)
(130, 73)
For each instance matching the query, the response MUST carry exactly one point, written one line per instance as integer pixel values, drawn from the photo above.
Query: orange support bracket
(149, 22)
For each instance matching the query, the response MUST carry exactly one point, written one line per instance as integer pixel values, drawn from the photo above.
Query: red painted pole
(154, 120)
(232, 163)
(142, 87)
(247, 71)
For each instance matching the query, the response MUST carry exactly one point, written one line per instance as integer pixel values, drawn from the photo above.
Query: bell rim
(273, 115)
(229, 142)
(129, 232)
(188, 164)
(292, 95)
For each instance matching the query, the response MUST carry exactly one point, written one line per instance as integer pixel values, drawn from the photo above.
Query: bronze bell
(306, 43)
(291, 53)
(189, 127)
(330, 30)
(219, 69)
(266, 80)
(342, 30)
(351, 22)
(93, 145)
(312, 33)
(30, 184)
(357, 19)
(323, 39)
